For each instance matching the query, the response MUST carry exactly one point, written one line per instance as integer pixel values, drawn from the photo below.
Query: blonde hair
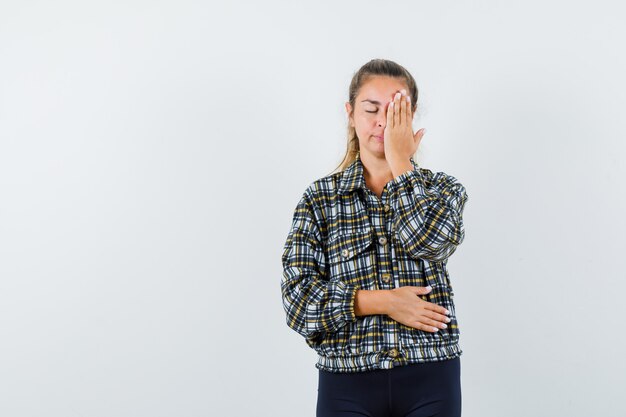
(375, 67)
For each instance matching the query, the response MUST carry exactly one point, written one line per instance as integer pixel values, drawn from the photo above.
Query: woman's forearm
(371, 302)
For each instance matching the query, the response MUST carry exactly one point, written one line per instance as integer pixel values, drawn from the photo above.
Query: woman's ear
(348, 112)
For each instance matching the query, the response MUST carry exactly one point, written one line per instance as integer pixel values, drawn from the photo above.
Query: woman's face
(370, 112)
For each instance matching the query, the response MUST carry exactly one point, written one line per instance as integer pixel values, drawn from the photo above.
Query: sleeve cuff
(410, 180)
(348, 302)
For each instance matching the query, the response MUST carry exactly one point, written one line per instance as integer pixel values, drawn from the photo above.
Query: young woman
(364, 265)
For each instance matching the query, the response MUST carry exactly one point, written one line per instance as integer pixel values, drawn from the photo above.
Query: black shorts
(426, 389)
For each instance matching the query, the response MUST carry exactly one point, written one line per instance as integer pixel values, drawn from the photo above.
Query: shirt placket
(381, 219)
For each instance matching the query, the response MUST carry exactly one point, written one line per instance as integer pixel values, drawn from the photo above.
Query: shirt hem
(382, 360)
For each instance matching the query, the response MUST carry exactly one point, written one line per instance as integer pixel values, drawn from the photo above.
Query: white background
(152, 154)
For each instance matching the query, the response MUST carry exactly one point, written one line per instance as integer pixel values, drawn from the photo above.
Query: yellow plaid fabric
(344, 237)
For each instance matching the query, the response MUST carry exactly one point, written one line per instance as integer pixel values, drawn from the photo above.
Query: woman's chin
(378, 152)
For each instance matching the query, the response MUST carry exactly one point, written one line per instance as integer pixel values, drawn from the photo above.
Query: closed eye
(367, 111)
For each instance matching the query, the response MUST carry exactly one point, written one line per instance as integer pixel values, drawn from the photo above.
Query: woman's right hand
(407, 308)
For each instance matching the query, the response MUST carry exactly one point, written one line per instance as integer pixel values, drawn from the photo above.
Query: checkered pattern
(344, 238)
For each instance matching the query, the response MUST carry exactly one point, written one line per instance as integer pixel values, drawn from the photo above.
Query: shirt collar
(352, 177)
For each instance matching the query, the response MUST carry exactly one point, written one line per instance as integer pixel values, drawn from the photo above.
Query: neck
(376, 169)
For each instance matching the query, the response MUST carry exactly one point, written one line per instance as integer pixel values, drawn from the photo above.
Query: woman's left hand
(400, 142)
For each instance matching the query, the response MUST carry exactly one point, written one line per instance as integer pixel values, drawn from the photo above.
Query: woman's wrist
(369, 302)
(399, 168)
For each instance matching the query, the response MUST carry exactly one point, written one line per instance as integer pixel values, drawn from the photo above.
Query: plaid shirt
(344, 238)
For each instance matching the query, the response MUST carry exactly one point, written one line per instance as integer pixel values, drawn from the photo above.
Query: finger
(436, 308)
(409, 115)
(402, 116)
(418, 135)
(434, 323)
(390, 115)
(426, 327)
(441, 318)
(396, 107)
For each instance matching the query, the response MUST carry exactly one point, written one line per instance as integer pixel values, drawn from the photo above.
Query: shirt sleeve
(428, 213)
(313, 304)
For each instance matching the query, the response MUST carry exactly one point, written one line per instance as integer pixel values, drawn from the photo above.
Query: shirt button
(387, 208)
(345, 253)
(393, 353)
(386, 278)
(382, 240)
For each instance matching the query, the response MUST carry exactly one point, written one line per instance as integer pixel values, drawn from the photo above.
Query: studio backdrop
(152, 154)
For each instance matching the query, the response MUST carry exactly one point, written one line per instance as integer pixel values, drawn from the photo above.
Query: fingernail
(429, 288)
(447, 312)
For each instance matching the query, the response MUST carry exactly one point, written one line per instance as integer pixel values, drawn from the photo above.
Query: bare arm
(404, 305)
(371, 302)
